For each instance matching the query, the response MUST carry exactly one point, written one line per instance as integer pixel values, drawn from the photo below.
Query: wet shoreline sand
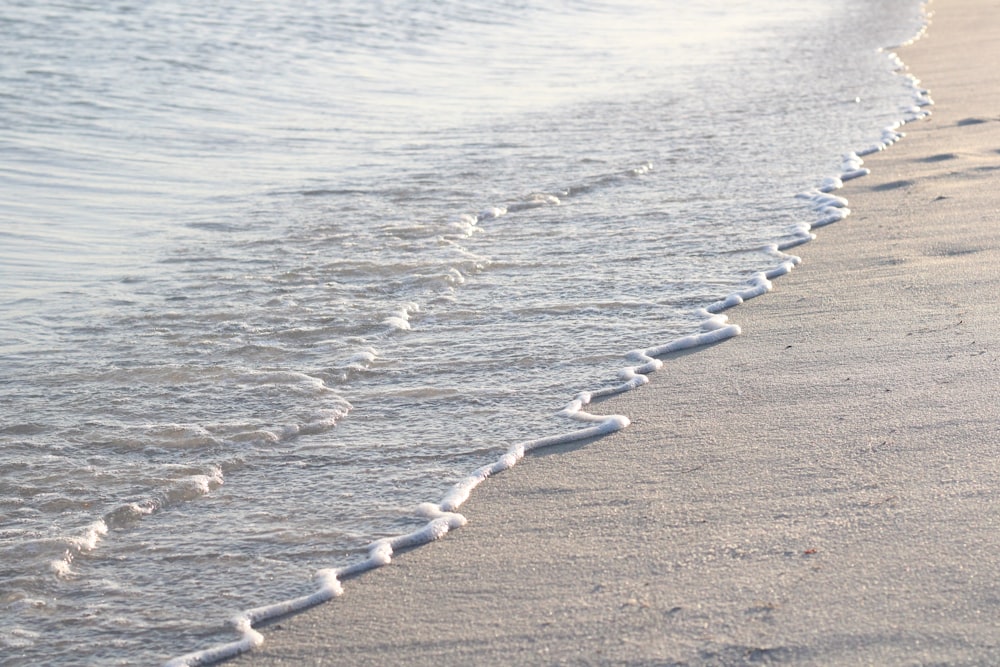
(822, 489)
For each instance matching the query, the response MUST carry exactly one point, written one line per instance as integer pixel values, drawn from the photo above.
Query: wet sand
(822, 489)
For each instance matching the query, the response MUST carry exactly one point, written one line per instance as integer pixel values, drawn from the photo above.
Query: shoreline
(770, 495)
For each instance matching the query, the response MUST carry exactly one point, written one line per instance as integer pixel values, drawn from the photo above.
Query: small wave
(17, 637)
(400, 320)
(287, 377)
(77, 545)
(534, 200)
(454, 277)
(641, 170)
(362, 359)
(492, 212)
(320, 424)
(357, 363)
(182, 436)
(124, 516)
(466, 224)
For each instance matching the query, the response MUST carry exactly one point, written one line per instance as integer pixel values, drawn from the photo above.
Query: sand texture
(820, 490)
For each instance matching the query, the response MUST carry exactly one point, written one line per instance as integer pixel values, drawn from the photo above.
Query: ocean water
(272, 275)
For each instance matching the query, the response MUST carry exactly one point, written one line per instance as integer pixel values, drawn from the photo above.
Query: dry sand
(820, 490)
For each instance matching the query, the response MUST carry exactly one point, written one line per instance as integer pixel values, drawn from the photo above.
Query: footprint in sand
(939, 158)
(894, 185)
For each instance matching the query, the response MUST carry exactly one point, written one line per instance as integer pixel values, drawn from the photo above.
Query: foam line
(715, 328)
(443, 516)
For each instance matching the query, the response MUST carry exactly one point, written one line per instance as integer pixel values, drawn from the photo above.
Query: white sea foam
(363, 358)
(642, 169)
(466, 224)
(359, 361)
(443, 516)
(799, 234)
(492, 213)
(400, 320)
(284, 377)
(921, 100)
(831, 208)
(79, 544)
(534, 200)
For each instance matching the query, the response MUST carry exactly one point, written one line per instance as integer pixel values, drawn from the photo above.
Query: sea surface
(274, 274)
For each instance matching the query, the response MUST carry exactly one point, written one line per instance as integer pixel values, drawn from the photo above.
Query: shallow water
(273, 278)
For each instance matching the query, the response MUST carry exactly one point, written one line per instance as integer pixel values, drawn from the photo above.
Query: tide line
(443, 516)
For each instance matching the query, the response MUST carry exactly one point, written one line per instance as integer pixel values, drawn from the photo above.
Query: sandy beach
(822, 489)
